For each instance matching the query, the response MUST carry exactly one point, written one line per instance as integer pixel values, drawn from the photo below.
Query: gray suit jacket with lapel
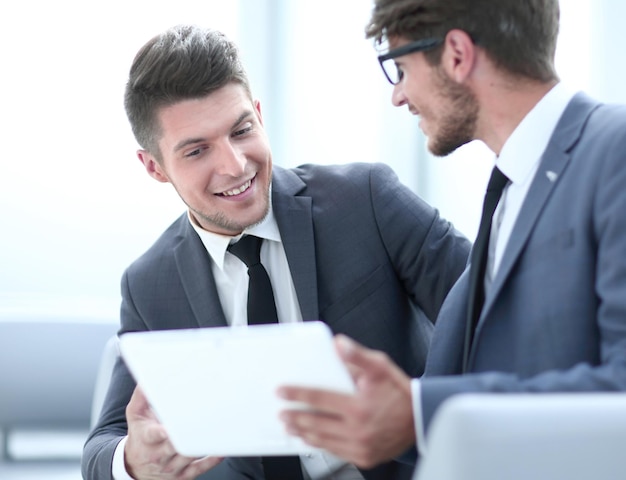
(367, 256)
(555, 317)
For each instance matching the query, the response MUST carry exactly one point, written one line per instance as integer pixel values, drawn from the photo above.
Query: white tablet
(214, 389)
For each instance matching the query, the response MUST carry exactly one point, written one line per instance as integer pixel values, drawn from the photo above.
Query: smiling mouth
(236, 191)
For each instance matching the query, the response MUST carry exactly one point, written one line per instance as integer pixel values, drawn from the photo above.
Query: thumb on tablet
(139, 413)
(138, 408)
(138, 405)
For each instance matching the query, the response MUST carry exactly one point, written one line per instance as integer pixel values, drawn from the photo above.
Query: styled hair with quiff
(182, 63)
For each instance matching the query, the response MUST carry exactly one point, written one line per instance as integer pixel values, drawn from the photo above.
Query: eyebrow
(191, 141)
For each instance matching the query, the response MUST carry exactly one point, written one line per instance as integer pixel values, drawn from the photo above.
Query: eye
(399, 73)
(194, 153)
(246, 127)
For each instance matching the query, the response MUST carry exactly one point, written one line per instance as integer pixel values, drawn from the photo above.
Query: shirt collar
(523, 149)
(217, 244)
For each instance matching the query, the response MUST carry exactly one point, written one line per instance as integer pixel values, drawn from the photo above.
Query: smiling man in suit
(542, 307)
(348, 245)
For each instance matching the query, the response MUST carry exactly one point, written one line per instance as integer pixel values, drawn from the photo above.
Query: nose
(398, 98)
(232, 161)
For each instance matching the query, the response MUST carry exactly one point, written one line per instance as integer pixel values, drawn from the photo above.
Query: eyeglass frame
(411, 47)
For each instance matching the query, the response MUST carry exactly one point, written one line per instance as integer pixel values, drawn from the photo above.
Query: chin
(254, 219)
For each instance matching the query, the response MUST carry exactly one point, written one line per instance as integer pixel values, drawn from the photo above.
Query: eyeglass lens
(392, 71)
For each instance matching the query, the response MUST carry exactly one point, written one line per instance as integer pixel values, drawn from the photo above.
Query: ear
(459, 55)
(153, 167)
(257, 107)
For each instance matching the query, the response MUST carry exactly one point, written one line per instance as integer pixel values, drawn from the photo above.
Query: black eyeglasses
(391, 70)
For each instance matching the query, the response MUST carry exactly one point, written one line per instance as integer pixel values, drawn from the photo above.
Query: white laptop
(556, 436)
(214, 389)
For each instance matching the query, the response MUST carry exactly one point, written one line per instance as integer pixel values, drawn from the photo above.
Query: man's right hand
(149, 454)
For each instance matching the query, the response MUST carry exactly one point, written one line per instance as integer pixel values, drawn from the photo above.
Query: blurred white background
(75, 204)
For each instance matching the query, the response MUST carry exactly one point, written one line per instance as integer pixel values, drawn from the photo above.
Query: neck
(504, 104)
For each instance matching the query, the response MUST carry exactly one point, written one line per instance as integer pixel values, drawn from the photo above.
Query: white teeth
(237, 191)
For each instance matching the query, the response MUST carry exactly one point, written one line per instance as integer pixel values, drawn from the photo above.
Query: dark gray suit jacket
(555, 317)
(367, 256)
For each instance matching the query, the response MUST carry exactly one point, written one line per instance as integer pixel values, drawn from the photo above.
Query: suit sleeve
(100, 446)
(428, 253)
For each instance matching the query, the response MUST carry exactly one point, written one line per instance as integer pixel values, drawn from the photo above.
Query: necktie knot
(261, 306)
(248, 250)
(497, 181)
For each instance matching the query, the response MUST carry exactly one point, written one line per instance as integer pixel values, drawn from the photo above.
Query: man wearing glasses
(542, 306)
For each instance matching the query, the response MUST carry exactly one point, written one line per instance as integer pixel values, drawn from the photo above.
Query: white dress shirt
(231, 280)
(519, 161)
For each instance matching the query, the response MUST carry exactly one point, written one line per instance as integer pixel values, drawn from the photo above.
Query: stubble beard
(457, 125)
(221, 222)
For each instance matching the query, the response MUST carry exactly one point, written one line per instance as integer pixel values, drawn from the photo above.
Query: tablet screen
(214, 389)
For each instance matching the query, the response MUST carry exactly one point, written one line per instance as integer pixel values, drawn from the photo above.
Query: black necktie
(262, 309)
(478, 264)
(261, 306)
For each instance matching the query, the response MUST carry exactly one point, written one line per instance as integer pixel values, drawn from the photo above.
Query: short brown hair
(519, 36)
(184, 62)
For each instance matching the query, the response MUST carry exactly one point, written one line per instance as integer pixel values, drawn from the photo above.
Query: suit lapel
(295, 221)
(553, 163)
(194, 269)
